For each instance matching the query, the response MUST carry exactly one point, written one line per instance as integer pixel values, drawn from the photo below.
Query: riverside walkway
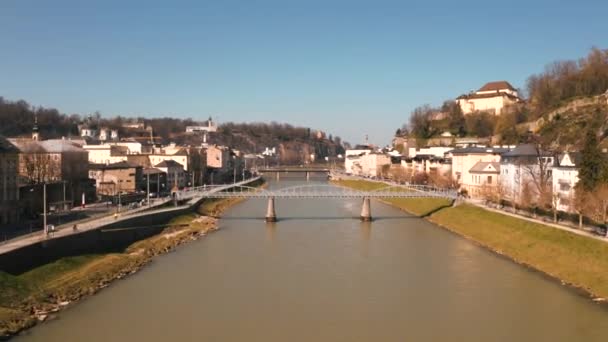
(190, 196)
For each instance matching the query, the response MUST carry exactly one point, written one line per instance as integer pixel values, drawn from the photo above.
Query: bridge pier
(278, 176)
(271, 215)
(366, 210)
(307, 176)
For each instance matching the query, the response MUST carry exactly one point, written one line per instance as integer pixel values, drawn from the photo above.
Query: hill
(294, 144)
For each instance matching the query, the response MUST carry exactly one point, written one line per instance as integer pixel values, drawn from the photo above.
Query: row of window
(478, 179)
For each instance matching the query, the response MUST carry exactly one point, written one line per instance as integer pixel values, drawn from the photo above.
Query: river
(321, 275)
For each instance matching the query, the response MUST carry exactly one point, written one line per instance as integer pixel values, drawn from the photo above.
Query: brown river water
(319, 274)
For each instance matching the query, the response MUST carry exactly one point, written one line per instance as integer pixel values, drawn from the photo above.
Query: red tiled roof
(497, 85)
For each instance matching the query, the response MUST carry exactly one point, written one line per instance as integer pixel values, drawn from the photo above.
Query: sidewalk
(481, 205)
(550, 224)
(97, 222)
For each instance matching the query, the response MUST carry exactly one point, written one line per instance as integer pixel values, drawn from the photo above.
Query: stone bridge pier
(271, 215)
(366, 210)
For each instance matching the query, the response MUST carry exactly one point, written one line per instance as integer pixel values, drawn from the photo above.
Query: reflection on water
(319, 274)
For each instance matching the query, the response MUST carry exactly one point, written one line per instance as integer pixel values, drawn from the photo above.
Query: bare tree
(39, 167)
(578, 203)
(538, 170)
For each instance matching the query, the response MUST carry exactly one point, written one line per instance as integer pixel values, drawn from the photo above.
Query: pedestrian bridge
(318, 191)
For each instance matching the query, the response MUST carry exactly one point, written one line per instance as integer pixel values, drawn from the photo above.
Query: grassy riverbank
(33, 296)
(577, 260)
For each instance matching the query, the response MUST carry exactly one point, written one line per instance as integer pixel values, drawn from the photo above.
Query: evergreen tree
(593, 166)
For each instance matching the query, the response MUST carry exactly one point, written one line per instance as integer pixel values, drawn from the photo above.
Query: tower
(35, 132)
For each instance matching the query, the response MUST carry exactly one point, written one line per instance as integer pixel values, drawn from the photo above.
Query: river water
(321, 275)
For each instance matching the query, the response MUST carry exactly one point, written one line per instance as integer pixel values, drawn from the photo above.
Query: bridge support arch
(271, 215)
(366, 210)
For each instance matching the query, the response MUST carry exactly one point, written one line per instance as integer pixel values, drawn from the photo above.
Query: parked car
(601, 229)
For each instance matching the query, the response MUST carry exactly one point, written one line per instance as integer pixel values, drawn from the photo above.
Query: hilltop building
(493, 97)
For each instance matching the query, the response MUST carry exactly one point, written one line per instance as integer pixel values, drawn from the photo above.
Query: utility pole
(148, 189)
(158, 185)
(119, 201)
(63, 195)
(46, 232)
(244, 168)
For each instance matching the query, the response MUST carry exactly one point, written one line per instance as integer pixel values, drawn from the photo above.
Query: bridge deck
(319, 191)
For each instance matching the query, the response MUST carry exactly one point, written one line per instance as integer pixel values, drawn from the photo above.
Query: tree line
(18, 118)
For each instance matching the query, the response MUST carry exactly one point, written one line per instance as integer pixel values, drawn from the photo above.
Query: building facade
(493, 97)
(111, 179)
(525, 170)
(9, 187)
(464, 159)
(565, 178)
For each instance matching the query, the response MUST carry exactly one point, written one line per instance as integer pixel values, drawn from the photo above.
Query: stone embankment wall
(110, 238)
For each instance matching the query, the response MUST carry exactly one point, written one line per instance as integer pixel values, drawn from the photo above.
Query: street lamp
(234, 169)
(119, 199)
(46, 232)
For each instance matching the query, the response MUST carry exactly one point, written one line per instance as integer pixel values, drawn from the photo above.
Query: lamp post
(46, 232)
(244, 168)
(148, 189)
(119, 199)
(234, 169)
(64, 207)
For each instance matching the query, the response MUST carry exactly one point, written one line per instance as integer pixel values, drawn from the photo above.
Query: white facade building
(372, 164)
(465, 159)
(106, 134)
(352, 161)
(436, 151)
(492, 98)
(106, 154)
(565, 177)
(521, 168)
(484, 178)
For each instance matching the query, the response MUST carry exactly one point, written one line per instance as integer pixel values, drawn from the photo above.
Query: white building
(465, 159)
(352, 161)
(106, 134)
(429, 164)
(484, 178)
(373, 164)
(208, 127)
(106, 154)
(87, 132)
(565, 177)
(521, 168)
(492, 98)
(436, 151)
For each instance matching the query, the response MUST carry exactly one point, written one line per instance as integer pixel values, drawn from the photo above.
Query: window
(489, 179)
(564, 187)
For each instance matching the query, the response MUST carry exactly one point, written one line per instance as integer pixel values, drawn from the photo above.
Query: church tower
(35, 132)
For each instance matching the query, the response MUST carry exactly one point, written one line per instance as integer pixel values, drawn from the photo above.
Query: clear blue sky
(347, 67)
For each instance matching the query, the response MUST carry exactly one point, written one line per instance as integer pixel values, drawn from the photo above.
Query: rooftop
(114, 166)
(169, 163)
(526, 150)
(480, 150)
(6, 146)
(496, 86)
(485, 167)
(152, 171)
